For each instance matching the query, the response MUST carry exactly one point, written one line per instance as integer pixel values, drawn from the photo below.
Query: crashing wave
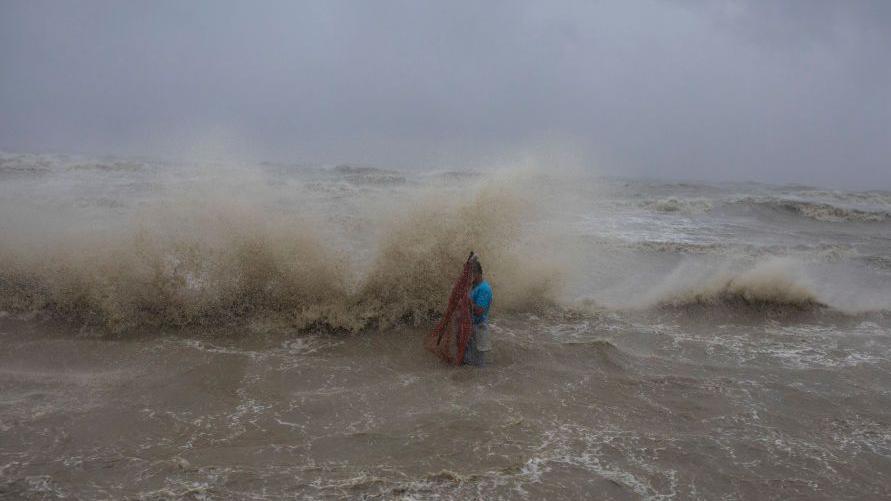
(776, 283)
(194, 263)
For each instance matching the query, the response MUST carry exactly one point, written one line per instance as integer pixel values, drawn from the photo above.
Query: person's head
(477, 271)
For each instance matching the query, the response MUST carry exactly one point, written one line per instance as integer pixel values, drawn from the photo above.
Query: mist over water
(176, 329)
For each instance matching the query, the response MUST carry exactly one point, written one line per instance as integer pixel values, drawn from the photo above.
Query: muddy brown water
(585, 410)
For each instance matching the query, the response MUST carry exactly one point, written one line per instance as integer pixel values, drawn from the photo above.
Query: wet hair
(477, 267)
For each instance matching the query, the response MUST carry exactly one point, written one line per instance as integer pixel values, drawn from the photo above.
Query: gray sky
(774, 90)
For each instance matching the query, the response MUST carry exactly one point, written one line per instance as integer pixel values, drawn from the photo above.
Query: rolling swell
(819, 211)
(853, 207)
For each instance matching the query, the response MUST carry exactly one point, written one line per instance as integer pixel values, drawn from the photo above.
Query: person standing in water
(480, 301)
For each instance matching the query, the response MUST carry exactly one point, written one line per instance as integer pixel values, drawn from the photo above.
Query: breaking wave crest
(774, 284)
(678, 205)
(219, 262)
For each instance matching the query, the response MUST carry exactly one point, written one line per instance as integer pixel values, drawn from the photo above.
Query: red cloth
(456, 320)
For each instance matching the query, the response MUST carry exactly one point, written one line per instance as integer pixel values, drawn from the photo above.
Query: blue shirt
(481, 296)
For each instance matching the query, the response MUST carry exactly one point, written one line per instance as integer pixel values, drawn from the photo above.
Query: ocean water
(213, 330)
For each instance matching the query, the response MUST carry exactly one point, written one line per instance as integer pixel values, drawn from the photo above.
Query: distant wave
(819, 211)
(823, 252)
(872, 198)
(37, 165)
(668, 247)
(369, 175)
(19, 165)
(680, 205)
(109, 167)
(826, 206)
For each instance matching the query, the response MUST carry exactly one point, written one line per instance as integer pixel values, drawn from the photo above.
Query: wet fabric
(452, 334)
(482, 339)
(474, 356)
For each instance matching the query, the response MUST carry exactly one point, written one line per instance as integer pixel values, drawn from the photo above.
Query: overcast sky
(783, 91)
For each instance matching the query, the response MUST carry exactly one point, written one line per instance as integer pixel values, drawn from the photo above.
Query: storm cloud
(794, 91)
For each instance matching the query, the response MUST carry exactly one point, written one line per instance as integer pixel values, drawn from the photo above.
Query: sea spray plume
(203, 258)
(204, 246)
(209, 268)
(425, 246)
